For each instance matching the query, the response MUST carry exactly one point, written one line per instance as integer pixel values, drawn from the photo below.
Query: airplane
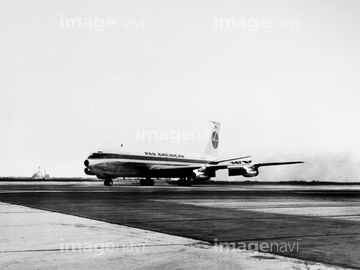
(163, 164)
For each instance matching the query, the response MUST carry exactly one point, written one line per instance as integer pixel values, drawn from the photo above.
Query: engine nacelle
(251, 173)
(243, 171)
(198, 175)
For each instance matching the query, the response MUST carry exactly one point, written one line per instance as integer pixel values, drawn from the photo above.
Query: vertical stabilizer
(212, 146)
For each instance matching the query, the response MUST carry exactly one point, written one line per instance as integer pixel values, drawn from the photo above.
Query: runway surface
(311, 223)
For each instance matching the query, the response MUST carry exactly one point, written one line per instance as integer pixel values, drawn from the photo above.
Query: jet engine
(199, 175)
(243, 171)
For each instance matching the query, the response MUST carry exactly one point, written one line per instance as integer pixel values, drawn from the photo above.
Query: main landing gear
(184, 182)
(147, 182)
(108, 182)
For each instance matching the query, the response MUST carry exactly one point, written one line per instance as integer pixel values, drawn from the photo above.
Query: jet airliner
(163, 164)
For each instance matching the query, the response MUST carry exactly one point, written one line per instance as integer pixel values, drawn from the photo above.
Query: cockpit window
(104, 155)
(96, 155)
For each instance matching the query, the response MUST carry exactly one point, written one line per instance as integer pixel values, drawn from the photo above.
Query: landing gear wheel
(108, 182)
(184, 182)
(180, 182)
(188, 182)
(147, 182)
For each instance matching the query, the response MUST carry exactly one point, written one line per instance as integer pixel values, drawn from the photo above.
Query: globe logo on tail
(215, 139)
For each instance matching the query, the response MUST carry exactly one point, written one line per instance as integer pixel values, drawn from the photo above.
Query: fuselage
(165, 164)
(136, 163)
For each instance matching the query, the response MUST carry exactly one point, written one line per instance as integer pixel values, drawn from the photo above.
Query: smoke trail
(340, 167)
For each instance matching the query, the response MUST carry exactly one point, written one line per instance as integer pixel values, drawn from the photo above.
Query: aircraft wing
(229, 159)
(257, 165)
(184, 171)
(209, 169)
(173, 168)
(185, 168)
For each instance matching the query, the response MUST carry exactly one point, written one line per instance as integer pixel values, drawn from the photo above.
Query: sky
(282, 77)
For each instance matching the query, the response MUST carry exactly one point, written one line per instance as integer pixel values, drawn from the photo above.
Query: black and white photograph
(180, 134)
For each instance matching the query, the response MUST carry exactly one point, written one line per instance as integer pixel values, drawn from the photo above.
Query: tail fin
(212, 146)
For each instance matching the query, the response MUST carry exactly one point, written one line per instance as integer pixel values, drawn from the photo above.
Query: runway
(314, 223)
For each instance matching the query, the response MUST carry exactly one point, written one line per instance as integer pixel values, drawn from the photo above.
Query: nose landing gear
(108, 182)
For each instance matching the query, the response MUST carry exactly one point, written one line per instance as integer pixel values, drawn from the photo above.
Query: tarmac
(87, 225)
